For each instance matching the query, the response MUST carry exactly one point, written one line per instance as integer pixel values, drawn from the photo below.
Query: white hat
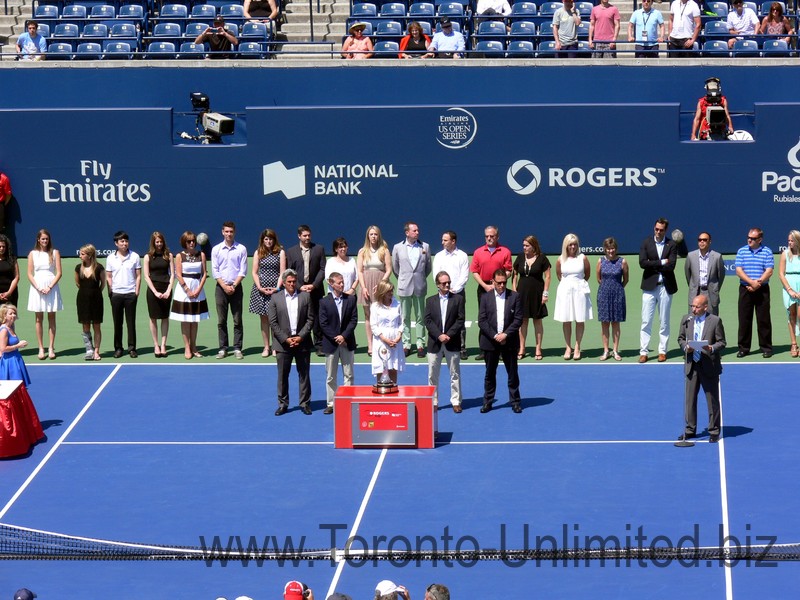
(386, 587)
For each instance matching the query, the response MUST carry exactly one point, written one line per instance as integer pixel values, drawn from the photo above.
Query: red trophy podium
(363, 419)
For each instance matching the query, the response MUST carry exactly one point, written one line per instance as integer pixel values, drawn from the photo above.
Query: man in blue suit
(499, 320)
(338, 317)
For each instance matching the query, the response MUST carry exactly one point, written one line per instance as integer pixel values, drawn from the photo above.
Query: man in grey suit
(702, 366)
(291, 317)
(705, 272)
(411, 262)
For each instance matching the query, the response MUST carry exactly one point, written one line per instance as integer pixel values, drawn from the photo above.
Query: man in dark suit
(338, 317)
(308, 260)
(703, 366)
(658, 256)
(291, 317)
(444, 320)
(705, 272)
(499, 320)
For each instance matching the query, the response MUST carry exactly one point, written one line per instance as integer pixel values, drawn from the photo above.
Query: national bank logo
(277, 178)
(524, 177)
(456, 128)
(771, 181)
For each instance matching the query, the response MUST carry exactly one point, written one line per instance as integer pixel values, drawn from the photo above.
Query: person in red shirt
(486, 260)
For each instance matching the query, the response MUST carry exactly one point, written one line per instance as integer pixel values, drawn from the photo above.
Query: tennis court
(167, 455)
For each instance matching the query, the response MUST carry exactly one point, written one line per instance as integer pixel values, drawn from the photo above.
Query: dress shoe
(516, 408)
(662, 357)
(320, 352)
(328, 410)
(306, 410)
(486, 408)
(117, 353)
(464, 355)
(133, 353)
(281, 410)
(742, 354)
(407, 351)
(480, 356)
(713, 438)
(686, 436)
(457, 409)
(421, 353)
(767, 354)
(642, 358)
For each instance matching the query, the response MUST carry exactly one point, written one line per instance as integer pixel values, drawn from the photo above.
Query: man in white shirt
(684, 26)
(123, 276)
(742, 21)
(456, 263)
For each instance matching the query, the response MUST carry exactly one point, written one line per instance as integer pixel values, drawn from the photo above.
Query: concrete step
(305, 51)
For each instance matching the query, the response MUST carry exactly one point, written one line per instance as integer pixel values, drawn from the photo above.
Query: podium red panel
(384, 420)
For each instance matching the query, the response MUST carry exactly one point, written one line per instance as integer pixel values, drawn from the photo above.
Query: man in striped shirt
(754, 266)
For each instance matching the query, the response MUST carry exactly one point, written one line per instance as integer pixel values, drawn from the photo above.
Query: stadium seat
(718, 8)
(421, 10)
(192, 51)
(393, 9)
(520, 49)
(173, 12)
(548, 9)
(488, 49)
(547, 49)
(525, 30)
(45, 11)
(714, 29)
(161, 50)
(365, 10)
(132, 12)
(585, 9)
(715, 48)
(66, 30)
(74, 13)
(167, 30)
(776, 48)
(752, 6)
(251, 50)
(205, 12)
(389, 29)
(522, 10)
(89, 51)
(44, 29)
(452, 10)
(745, 48)
(113, 49)
(233, 28)
(103, 11)
(583, 30)
(95, 30)
(584, 50)
(123, 30)
(232, 13)
(59, 51)
(386, 49)
(767, 6)
(256, 32)
(546, 31)
(491, 29)
(426, 28)
(194, 29)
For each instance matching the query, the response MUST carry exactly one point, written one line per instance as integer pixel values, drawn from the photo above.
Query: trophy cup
(385, 385)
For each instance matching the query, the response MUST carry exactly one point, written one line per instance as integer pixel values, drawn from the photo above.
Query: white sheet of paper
(698, 344)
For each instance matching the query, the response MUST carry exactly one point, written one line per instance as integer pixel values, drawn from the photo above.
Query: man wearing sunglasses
(705, 272)
(754, 266)
(446, 43)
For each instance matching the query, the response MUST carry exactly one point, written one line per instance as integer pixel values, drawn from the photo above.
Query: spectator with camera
(220, 41)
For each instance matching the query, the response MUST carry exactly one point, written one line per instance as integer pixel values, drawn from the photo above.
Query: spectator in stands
(684, 26)
(701, 128)
(649, 30)
(9, 272)
(357, 45)
(437, 591)
(5, 197)
(742, 21)
(446, 43)
(220, 41)
(374, 264)
(44, 272)
(262, 11)
(493, 8)
(789, 273)
(573, 300)
(776, 24)
(604, 26)
(158, 274)
(388, 590)
(415, 44)
(31, 45)
(565, 30)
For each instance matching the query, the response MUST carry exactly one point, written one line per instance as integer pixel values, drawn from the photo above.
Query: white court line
(357, 522)
(327, 443)
(196, 443)
(60, 441)
(723, 484)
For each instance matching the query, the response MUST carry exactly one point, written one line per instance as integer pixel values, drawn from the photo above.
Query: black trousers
(508, 354)
(695, 379)
(758, 302)
(124, 306)
(302, 360)
(234, 302)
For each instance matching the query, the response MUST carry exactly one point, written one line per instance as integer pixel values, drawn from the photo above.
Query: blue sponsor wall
(597, 150)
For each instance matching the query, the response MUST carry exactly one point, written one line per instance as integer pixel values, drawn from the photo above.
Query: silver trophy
(385, 384)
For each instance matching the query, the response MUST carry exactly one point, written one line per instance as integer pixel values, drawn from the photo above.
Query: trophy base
(385, 388)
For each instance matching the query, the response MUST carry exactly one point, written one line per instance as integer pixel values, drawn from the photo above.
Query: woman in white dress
(44, 272)
(386, 320)
(374, 264)
(343, 265)
(573, 299)
(189, 305)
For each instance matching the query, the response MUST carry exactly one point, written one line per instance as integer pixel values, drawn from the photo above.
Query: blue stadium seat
(525, 30)
(389, 29)
(232, 13)
(89, 51)
(386, 49)
(173, 12)
(167, 30)
(233, 28)
(585, 9)
(546, 31)
(452, 10)
(745, 48)
(523, 11)
(752, 6)
(205, 12)
(548, 9)
(583, 30)
(192, 51)
(716, 29)
(66, 30)
(251, 50)
(421, 10)
(584, 50)
(161, 50)
(194, 29)
(776, 48)
(95, 30)
(45, 11)
(491, 29)
(59, 51)
(393, 9)
(426, 28)
(364, 10)
(715, 48)
(74, 13)
(44, 29)
(520, 49)
(547, 49)
(113, 49)
(763, 11)
(103, 11)
(256, 32)
(489, 49)
(123, 30)
(132, 12)
(718, 8)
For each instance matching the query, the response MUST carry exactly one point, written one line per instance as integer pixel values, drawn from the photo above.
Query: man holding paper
(701, 338)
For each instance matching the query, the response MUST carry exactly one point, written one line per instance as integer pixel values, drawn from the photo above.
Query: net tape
(22, 543)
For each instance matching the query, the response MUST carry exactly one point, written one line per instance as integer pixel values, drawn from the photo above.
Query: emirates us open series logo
(456, 128)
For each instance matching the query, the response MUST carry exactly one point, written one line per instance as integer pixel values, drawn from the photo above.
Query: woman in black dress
(9, 273)
(158, 276)
(532, 282)
(90, 277)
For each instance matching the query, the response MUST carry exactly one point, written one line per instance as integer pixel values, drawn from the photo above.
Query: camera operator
(219, 40)
(717, 129)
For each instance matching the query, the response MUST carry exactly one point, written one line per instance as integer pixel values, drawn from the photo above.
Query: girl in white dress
(44, 272)
(386, 320)
(573, 300)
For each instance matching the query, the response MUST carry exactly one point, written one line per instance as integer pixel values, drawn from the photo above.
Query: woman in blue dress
(11, 364)
(789, 273)
(612, 275)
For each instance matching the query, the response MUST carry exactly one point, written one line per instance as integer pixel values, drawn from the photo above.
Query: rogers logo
(532, 177)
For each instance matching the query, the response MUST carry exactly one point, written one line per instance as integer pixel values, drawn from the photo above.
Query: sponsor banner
(391, 416)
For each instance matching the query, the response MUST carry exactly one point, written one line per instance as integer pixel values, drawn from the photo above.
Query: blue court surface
(181, 455)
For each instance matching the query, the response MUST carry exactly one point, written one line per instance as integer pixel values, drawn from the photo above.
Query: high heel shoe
(568, 354)
(794, 351)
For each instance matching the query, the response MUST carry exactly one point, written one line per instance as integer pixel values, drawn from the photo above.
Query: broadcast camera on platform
(210, 126)
(715, 112)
